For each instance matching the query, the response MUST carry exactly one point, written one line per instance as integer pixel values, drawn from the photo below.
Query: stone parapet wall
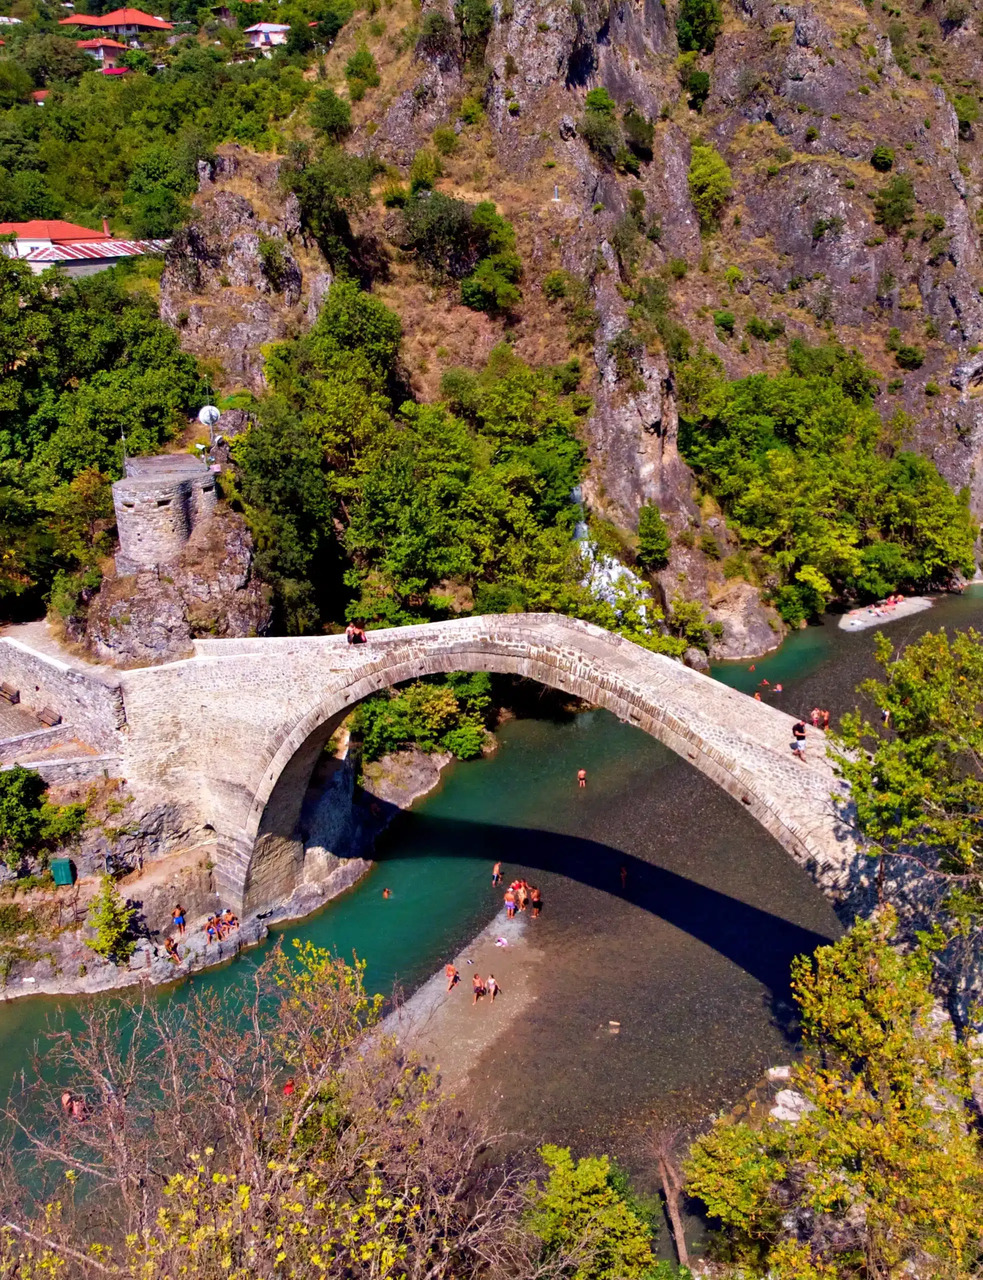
(92, 705)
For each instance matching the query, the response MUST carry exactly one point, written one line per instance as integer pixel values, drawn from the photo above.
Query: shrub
(472, 112)
(822, 225)
(677, 268)
(362, 73)
(698, 88)
(882, 158)
(932, 389)
(28, 823)
(724, 322)
(330, 115)
(654, 541)
(438, 38)
(555, 285)
(425, 170)
(812, 133)
(275, 264)
(599, 127)
(492, 285)
(710, 183)
(445, 140)
(698, 23)
(639, 132)
(909, 357)
(894, 204)
(763, 330)
(967, 111)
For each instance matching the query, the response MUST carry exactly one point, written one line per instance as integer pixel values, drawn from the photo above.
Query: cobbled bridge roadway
(233, 733)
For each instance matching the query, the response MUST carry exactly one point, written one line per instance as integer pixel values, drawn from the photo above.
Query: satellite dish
(209, 415)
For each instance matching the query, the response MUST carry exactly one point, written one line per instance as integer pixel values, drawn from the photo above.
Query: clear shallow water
(693, 959)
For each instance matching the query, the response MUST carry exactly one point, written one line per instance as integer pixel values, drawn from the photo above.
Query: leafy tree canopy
(882, 1173)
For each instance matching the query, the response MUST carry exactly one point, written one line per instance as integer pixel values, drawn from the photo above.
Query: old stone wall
(238, 729)
(158, 503)
(88, 702)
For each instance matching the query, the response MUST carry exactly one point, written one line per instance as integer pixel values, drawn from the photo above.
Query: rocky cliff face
(240, 274)
(799, 97)
(210, 590)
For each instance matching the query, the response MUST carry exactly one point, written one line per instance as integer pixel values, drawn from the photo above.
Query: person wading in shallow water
(535, 901)
(581, 777)
(496, 875)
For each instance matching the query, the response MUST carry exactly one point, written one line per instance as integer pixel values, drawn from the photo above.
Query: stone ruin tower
(158, 503)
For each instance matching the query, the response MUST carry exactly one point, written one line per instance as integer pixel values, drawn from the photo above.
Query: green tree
(916, 772)
(22, 793)
(29, 824)
(654, 541)
(113, 921)
(710, 183)
(362, 73)
(580, 1209)
(882, 1173)
(330, 115)
(50, 59)
(894, 204)
(599, 126)
(698, 24)
(474, 20)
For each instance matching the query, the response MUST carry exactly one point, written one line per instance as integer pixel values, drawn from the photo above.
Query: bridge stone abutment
(236, 731)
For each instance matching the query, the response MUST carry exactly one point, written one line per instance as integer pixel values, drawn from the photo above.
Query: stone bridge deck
(234, 731)
(267, 706)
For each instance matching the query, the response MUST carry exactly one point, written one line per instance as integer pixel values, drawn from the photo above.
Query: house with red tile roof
(103, 49)
(79, 251)
(128, 24)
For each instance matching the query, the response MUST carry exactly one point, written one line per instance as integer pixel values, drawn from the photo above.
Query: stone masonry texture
(232, 734)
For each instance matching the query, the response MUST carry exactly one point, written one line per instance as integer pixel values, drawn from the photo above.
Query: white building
(79, 251)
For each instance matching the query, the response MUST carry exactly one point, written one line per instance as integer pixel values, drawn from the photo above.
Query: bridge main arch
(739, 743)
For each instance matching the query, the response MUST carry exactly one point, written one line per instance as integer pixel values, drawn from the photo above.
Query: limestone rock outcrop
(240, 274)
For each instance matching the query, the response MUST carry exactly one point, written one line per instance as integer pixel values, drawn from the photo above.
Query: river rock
(790, 1106)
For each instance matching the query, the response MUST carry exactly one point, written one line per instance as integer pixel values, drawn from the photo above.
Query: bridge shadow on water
(757, 940)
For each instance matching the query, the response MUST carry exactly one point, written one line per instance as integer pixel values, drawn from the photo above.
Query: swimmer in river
(581, 777)
(387, 893)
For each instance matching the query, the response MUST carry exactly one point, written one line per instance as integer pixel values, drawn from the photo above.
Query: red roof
(114, 71)
(118, 18)
(56, 231)
(100, 42)
(39, 95)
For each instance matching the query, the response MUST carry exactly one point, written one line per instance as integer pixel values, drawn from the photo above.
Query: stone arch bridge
(233, 733)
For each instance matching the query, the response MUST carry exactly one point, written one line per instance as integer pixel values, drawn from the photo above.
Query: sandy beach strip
(876, 615)
(444, 1026)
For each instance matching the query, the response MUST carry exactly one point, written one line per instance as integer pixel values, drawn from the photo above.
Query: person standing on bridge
(799, 740)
